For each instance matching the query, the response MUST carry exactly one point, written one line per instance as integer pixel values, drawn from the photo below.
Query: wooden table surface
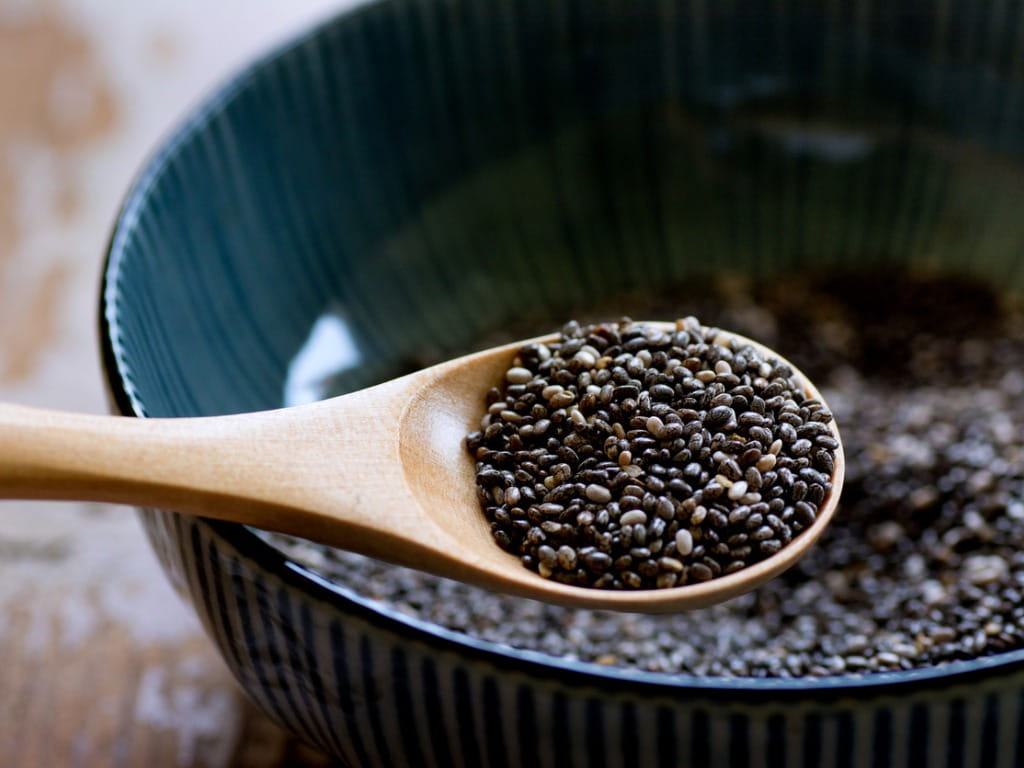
(103, 665)
(100, 662)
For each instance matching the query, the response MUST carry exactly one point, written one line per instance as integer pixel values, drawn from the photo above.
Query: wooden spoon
(383, 471)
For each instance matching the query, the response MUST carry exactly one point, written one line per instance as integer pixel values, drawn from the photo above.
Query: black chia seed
(664, 457)
(924, 561)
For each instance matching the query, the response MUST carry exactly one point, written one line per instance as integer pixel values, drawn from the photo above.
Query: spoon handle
(46, 454)
(278, 470)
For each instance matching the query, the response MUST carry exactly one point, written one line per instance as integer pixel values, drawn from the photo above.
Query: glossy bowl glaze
(412, 177)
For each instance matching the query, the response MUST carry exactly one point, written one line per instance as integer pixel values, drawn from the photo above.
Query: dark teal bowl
(430, 173)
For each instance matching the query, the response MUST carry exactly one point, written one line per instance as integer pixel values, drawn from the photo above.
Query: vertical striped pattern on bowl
(378, 693)
(432, 171)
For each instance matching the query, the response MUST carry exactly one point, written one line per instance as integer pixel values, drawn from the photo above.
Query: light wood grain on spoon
(382, 471)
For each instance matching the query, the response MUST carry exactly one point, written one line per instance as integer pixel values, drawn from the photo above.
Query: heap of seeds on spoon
(627, 456)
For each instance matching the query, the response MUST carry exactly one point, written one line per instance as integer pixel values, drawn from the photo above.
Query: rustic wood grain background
(100, 663)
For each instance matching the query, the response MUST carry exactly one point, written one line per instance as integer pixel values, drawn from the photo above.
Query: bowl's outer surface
(429, 172)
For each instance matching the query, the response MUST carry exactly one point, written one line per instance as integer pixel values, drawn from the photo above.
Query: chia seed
(924, 561)
(686, 402)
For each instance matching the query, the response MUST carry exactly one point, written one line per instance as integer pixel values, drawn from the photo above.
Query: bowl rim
(126, 400)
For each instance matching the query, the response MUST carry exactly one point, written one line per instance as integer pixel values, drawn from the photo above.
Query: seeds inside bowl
(624, 456)
(924, 561)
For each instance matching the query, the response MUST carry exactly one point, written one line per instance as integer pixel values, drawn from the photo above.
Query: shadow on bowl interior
(410, 179)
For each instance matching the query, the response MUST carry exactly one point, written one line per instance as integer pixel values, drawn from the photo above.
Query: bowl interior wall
(427, 173)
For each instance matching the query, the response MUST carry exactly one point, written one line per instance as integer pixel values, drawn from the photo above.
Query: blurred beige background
(100, 663)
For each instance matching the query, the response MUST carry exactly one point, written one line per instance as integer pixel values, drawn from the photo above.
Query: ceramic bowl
(410, 177)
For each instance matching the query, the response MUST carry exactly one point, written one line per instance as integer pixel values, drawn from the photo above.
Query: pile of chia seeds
(627, 456)
(924, 561)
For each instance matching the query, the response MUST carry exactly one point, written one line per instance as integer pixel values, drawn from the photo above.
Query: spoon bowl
(382, 471)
